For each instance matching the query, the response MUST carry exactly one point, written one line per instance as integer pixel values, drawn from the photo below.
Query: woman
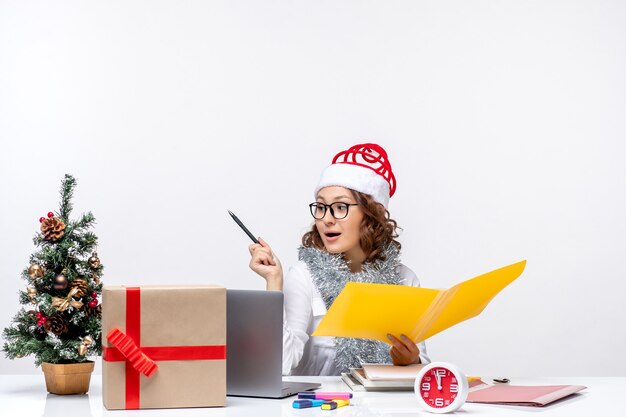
(352, 239)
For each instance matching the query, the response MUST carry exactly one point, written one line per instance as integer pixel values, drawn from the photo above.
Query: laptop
(254, 346)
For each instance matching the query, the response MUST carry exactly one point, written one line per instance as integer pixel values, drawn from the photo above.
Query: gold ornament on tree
(36, 271)
(60, 281)
(94, 261)
(61, 304)
(32, 294)
(52, 229)
(80, 285)
(95, 277)
(87, 341)
(82, 348)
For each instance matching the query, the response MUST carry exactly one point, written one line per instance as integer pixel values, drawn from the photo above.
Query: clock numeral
(441, 372)
(439, 402)
(426, 386)
(427, 378)
(454, 388)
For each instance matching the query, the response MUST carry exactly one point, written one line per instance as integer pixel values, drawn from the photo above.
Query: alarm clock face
(441, 387)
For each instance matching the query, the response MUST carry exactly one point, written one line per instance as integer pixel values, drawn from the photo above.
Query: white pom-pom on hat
(364, 168)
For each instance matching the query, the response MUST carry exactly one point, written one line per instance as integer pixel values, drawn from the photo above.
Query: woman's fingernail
(389, 336)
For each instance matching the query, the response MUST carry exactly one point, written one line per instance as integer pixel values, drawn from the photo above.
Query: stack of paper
(378, 377)
(383, 372)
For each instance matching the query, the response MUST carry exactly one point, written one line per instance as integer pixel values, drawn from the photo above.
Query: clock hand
(439, 387)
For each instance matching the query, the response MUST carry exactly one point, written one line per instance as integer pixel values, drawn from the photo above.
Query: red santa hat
(364, 168)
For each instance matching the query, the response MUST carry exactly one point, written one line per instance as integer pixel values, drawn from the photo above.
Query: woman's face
(341, 235)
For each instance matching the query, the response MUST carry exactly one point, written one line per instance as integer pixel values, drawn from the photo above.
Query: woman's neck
(355, 259)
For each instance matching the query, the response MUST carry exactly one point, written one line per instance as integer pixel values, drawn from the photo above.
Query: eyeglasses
(337, 210)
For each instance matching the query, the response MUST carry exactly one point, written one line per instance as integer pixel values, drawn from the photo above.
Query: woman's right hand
(266, 264)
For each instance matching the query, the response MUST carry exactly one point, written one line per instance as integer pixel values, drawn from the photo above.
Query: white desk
(25, 396)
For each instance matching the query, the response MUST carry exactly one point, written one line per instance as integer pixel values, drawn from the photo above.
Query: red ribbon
(141, 358)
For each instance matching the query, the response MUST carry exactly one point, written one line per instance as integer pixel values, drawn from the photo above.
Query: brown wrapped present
(163, 347)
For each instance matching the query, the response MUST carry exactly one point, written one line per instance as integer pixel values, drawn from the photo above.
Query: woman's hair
(378, 230)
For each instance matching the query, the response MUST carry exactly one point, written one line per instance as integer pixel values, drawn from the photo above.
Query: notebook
(536, 396)
(381, 385)
(357, 382)
(378, 372)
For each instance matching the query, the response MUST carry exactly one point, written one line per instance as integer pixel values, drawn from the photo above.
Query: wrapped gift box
(166, 346)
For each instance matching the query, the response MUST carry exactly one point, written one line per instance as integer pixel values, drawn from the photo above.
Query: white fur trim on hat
(355, 177)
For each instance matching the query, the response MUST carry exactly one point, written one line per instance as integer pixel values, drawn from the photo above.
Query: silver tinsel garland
(330, 273)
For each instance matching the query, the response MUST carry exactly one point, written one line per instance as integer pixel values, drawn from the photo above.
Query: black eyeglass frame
(312, 207)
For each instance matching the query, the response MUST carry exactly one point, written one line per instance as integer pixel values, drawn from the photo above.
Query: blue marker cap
(307, 403)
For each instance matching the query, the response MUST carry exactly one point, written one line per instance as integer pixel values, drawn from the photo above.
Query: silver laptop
(254, 346)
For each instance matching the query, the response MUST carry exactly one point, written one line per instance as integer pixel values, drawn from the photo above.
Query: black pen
(244, 228)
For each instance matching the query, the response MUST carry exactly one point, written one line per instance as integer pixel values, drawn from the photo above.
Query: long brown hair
(378, 230)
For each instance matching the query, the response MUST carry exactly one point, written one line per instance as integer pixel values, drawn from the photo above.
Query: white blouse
(304, 309)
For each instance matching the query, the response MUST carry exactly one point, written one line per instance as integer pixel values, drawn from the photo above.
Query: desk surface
(25, 395)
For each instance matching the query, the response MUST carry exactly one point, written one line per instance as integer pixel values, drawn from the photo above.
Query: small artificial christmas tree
(63, 323)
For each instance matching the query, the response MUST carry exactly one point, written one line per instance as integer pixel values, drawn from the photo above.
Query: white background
(503, 120)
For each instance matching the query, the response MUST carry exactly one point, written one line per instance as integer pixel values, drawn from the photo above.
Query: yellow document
(371, 311)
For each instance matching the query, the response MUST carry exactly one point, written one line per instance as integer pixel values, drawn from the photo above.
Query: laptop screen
(254, 343)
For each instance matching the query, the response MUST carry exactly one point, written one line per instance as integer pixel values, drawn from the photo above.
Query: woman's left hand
(403, 351)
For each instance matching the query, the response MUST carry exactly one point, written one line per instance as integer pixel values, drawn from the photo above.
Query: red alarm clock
(441, 387)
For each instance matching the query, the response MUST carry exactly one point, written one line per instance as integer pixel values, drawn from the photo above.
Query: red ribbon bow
(127, 347)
